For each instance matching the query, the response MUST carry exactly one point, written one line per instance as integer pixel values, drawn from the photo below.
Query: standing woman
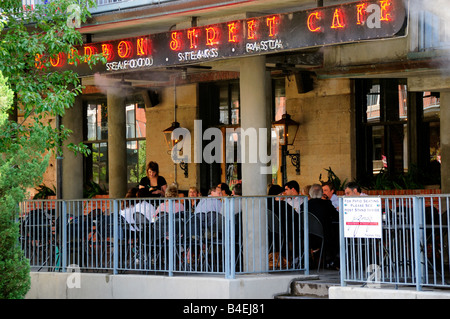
(156, 185)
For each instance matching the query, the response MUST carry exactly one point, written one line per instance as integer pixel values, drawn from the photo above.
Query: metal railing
(413, 249)
(217, 235)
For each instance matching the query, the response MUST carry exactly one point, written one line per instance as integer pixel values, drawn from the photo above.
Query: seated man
(329, 193)
(292, 188)
(208, 211)
(210, 203)
(353, 189)
(284, 220)
(236, 202)
(326, 213)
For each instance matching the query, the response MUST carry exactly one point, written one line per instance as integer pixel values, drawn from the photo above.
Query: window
(96, 123)
(384, 129)
(136, 143)
(229, 103)
(96, 164)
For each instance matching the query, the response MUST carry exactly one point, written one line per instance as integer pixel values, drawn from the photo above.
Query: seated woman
(193, 192)
(177, 205)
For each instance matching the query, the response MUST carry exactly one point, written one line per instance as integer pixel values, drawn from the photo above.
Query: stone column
(72, 164)
(254, 115)
(117, 147)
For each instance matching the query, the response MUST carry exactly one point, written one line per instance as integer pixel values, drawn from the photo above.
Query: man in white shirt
(210, 203)
(292, 188)
(353, 189)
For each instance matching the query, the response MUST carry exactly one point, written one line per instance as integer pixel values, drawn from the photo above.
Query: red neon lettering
(311, 24)
(58, 60)
(232, 30)
(385, 8)
(272, 23)
(108, 51)
(70, 56)
(38, 61)
(251, 30)
(143, 46)
(361, 13)
(338, 20)
(175, 44)
(212, 36)
(124, 49)
(193, 38)
(88, 52)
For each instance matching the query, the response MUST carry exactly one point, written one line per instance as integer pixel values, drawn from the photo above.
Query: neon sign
(357, 21)
(338, 20)
(232, 32)
(251, 29)
(312, 19)
(212, 36)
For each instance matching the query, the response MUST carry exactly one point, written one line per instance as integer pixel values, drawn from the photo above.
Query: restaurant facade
(366, 84)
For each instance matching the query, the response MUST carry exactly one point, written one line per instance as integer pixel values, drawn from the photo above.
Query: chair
(160, 239)
(315, 228)
(284, 235)
(212, 225)
(127, 239)
(38, 238)
(142, 243)
(204, 238)
(103, 237)
(193, 255)
(276, 234)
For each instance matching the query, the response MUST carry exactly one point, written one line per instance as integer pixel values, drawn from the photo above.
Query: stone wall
(325, 133)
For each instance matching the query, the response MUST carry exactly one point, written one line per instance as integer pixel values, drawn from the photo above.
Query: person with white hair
(177, 205)
(326, 213)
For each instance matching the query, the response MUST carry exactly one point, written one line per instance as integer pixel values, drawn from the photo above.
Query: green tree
(32, 93)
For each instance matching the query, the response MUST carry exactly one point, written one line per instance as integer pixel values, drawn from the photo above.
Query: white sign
(362, 217)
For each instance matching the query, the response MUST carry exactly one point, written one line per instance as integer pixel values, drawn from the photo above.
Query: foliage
(334, 179)
(92, 188)
(386, 181)
(44, 191)
(382, 181)
(32, 93)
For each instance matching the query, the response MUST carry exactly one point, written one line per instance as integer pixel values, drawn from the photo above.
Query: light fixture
(168, 135)
(171, 143)
(287, 129)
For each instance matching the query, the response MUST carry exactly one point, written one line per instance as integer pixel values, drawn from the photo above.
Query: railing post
(63, 249)
(418, 239)
(115, 212)
(171, 237)
(342, 244)
(229, 239)
(306, 235)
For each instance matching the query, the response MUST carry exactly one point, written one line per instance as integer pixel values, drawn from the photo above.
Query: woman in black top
(153, 183)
